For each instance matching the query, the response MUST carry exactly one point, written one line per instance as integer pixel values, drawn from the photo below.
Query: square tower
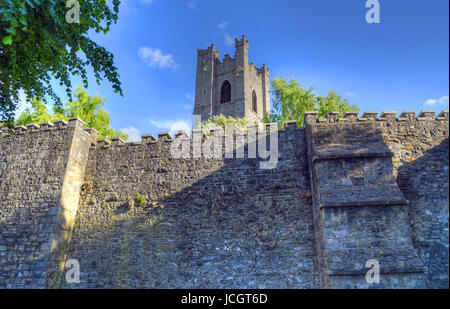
(232, 87)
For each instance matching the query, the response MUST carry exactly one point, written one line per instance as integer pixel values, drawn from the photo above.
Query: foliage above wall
(290, 102)
(224, 122)
(89, 109)
(38, 45)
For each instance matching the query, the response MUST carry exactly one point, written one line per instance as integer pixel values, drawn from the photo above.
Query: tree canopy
(89, 109)
(290, 102)
(38, 45)
(225, 123)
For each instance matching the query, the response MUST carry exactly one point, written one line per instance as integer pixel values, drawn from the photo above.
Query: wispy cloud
(444, 100)
(228, 39)
(190, 96)
(350, 94)
(187, 106)
(222, 25)
(130, 5)
(134, 135)
(126, 6)
(172, 125)
(430, 102)
(154, 57)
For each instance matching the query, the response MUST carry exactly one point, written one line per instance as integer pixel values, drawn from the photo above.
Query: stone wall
(359, 211)
(254, 83)
(352, 172)
(344, 191)
(205, 223)
(420, 147)
(41, 171)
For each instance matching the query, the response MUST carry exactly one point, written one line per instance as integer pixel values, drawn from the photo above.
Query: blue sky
(402, 63)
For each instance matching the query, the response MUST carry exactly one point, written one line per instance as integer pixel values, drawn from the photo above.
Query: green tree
(36, 114)
(38, 45)
(89, 109)
(291, 101)
(223, 121)
(334, 103)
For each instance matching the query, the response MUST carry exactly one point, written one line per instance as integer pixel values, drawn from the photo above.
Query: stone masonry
(246, 80)
(41, 173)
(344, 191)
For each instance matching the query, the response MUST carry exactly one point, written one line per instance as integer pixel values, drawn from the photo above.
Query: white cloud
(443, 100)
(133, 133)
(430, 102)
(350, 94)
(190, 96)
(440, 101)
(126, 6)
(222, 25)
(130, 5)
(154, 57)
(172, 125)
(187, 106)
(229, 40)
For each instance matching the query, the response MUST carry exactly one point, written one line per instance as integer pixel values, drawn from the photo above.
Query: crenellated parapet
(310, 118)
(227, 59)
(367, 116)
(48, 126)
(211, 50)
(258, 71)
(241, 42)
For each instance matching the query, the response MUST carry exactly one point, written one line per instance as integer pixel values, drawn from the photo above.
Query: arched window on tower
(254, 101)
(225, 92)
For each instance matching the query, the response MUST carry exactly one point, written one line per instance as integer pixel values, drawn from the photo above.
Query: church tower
(232, 87)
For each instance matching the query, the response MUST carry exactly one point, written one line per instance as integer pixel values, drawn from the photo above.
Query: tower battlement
(232, 87)
(241, 42)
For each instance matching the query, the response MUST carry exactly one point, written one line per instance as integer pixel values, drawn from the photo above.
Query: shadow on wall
(425, 183)
(205, 223)
(25, 249)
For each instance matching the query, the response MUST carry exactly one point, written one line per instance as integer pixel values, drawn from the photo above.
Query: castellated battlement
(232, 86)
(48, 126)
(226, 58)
(385, 116)
(240, 42)
(211, 50)
(311, 118)
(164, 137)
